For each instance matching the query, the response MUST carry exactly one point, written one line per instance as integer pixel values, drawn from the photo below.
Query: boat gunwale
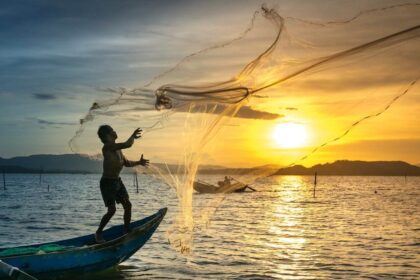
(98, 246)
(205, 183)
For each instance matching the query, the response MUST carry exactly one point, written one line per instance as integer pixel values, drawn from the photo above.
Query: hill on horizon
(79, 163)
(72, 163)
(76, 163)
(355, 168)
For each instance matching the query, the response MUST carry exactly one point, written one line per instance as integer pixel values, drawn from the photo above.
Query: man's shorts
(113, 190)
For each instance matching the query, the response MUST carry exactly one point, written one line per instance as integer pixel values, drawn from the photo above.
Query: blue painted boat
(81, 255)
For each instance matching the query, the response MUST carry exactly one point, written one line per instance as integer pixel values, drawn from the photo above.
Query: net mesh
(338, 74)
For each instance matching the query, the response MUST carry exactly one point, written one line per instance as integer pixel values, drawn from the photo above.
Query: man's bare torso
(113, 163)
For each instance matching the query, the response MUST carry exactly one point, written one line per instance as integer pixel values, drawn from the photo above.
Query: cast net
(338, 73)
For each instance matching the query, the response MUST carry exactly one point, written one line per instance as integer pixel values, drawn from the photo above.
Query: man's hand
(143, 161)
(136, 135)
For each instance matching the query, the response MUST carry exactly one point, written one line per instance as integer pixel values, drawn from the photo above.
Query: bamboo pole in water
(40, 176)
(137, 183)
(4, 179)
(315, 183)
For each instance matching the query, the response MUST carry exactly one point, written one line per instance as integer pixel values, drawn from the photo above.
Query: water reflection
(281, 231)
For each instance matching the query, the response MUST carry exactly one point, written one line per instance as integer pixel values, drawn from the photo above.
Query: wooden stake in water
(315, 183)
(137, 183)
(40, 176)
(48, 188)
(4, 179)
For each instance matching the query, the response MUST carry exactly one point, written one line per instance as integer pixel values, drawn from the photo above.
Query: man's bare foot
(98, 238)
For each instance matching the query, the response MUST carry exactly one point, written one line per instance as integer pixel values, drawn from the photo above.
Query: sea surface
(354, 227)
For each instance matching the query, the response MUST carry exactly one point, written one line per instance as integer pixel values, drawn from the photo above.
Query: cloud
(289, 108)
(246, 112)
(44, 96)
(53, 123)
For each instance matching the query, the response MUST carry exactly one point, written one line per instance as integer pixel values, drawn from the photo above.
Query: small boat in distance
(204, 187)
(80, 255)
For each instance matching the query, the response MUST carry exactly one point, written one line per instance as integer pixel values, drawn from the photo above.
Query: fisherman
(112, 188)
(226, 182)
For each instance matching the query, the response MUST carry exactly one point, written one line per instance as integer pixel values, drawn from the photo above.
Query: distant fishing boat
(203, 187)
(80, 255)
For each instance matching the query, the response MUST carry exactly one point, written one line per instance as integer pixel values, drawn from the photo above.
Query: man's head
(107, 134)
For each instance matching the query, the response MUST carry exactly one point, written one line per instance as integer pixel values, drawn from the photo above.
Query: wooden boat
(81, 254)
(203, 187)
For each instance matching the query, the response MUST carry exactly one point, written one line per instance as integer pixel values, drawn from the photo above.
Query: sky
(57, 57)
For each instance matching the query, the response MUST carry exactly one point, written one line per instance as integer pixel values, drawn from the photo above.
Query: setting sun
(290, 135)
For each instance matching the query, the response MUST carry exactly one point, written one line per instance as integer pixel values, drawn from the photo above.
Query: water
(280, 232)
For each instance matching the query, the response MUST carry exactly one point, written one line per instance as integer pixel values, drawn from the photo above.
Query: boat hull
(203, 187)
(85, 256)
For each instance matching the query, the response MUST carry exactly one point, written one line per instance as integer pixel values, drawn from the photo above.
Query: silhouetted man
(112, 188)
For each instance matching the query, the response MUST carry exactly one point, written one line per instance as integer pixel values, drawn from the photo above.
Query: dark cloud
(40, 23)
(53, 123)
(44, 96)
(46, 44)
(246, 112)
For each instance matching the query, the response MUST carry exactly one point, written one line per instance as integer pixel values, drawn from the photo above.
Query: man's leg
(105, 220)
(127, 213)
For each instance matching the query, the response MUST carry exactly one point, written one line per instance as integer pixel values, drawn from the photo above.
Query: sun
(290, 135)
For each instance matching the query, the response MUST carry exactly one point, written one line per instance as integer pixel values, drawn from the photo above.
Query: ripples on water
(347, 232)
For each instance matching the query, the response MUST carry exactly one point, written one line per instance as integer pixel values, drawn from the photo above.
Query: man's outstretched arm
(130, 163)
(127, 144)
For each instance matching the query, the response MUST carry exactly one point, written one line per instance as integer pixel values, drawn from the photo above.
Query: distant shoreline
(215, 173)
(82, 164)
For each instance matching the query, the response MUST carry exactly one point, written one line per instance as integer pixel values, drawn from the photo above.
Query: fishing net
(43, 249)
(219, 101)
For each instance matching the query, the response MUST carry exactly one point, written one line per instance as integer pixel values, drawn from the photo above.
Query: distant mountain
(356, 168)
(220, 170)
(17, 169)
(75, 163)
(67, 163)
